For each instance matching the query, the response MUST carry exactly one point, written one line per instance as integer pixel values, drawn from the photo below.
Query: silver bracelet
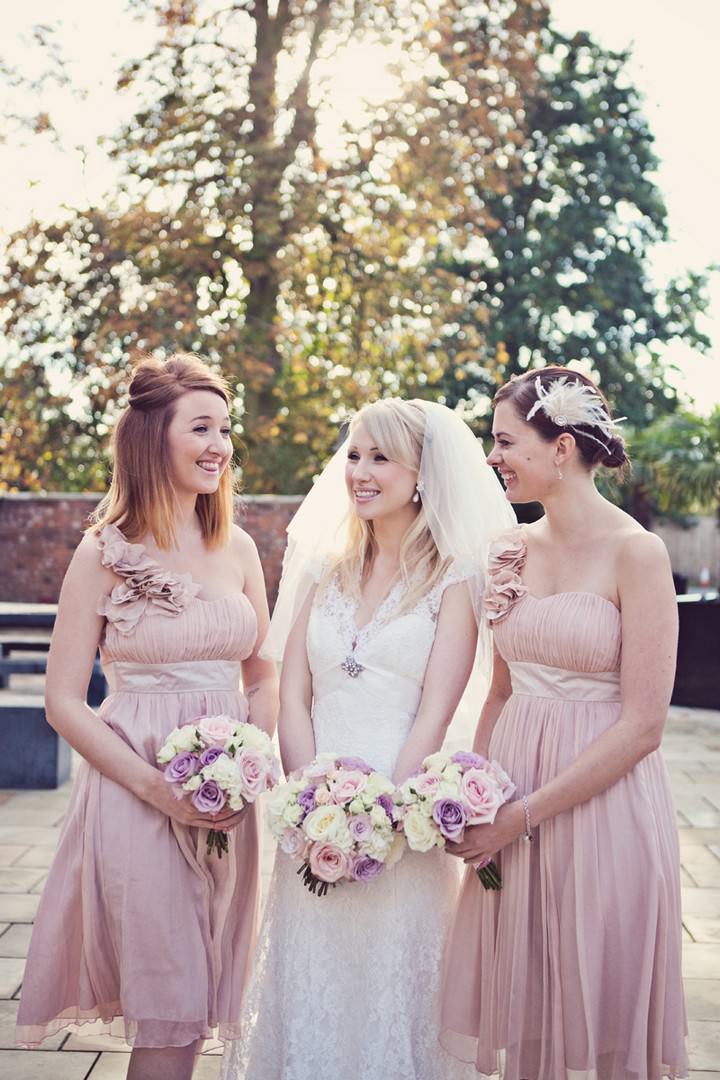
(526, 808)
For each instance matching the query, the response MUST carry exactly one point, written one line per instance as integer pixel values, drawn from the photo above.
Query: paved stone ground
(29, 826)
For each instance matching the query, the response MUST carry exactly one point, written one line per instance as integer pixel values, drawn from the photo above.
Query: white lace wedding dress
(346, 986)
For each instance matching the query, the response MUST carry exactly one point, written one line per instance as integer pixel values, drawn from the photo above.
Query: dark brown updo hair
(521, 392)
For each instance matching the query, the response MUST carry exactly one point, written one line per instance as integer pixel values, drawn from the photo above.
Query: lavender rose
(360, 826)
(210, 755)
(468, 759)
(387, 804)
(209, 797)
(449, 815)
(353, 764)
(365, 869)
(181, 768)
(306, 799)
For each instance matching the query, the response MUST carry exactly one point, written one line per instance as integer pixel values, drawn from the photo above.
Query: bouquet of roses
(448, 792)
(219, 762)
(338, 819)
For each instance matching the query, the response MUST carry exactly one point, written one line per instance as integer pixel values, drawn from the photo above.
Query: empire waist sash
(179, 678)
(546, 681)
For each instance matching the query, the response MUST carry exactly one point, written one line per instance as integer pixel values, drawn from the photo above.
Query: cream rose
(325, 823)
(420, 831)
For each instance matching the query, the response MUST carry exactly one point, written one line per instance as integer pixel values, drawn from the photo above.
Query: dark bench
(97, 687)
(34, 755)
(697, 679)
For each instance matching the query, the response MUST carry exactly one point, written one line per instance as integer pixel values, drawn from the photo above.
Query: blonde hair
(397, 428)
(141, 498)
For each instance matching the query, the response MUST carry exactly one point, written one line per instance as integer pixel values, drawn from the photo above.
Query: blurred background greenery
(492, 206)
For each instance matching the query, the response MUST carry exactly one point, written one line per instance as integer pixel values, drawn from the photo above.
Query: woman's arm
(259, 676)
(649, 649)
(498, 693)
(447, 673)
(297, 739)
(72, 653)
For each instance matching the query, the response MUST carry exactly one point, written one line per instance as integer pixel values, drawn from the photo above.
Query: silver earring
(419, 488)
(560, 475)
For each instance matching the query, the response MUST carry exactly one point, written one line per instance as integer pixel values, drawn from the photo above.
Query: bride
(376, 622)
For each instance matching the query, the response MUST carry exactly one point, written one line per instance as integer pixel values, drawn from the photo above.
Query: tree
(676, 465)
(564, 271)
(227, 211)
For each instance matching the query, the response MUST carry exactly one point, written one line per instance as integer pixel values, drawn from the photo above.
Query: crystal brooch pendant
(351, 666)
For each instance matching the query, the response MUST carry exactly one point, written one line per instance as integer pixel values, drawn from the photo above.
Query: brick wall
(38, 534)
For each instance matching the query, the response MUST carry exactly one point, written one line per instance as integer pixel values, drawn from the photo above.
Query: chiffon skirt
(573, 970)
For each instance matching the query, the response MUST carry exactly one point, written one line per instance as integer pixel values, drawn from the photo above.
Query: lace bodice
(370, 713)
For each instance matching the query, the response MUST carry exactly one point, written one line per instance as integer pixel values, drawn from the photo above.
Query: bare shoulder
(87, 561)
(640, 550)
(243, 547)
(86, 576)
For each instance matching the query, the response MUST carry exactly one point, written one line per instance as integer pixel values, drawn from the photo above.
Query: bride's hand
(481, 842)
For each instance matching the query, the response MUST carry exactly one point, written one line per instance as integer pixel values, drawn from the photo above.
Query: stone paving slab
(29, 831)
(40, 1065)
(16, 940)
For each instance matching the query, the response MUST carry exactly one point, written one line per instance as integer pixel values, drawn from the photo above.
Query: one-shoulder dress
(573, 970)
(138, 927)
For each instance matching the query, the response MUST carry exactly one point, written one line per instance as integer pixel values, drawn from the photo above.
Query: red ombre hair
(141, 498)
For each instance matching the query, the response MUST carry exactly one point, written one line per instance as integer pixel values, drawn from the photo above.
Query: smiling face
(199, 442)
(377, 487)
(526, 462)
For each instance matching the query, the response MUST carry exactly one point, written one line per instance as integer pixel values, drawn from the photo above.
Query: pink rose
(322, 796)
(328, 862)
(254, 773)
(215, 730)
(426, 783)
(481, 795)
(507, 788)
(294, 843)
(347, 784)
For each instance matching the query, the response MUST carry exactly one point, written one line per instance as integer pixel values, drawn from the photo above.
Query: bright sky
(674, 66)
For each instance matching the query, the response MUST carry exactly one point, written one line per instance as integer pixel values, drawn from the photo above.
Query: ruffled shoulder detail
(147, 589)
(506, 559)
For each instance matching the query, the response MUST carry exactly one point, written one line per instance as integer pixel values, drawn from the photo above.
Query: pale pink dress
(136, 921)
(573, 970)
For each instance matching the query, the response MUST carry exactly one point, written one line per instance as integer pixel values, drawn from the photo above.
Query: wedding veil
(463, 500)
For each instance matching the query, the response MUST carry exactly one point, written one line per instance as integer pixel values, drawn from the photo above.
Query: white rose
(344, 840)
(177, 742)
(325, 823)
(420, 832)
(224, 771)
(449, 789)
(277, 801)
(377, 846)
(292, 814)
(377, 784)
(437, 760)
(193, 783)
(378, 816)
(254, 738)
(357, 806)
(236, 802)
(397, 849)
(451, 772)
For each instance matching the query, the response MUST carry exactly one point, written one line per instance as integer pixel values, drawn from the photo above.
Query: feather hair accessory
(569, 403)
